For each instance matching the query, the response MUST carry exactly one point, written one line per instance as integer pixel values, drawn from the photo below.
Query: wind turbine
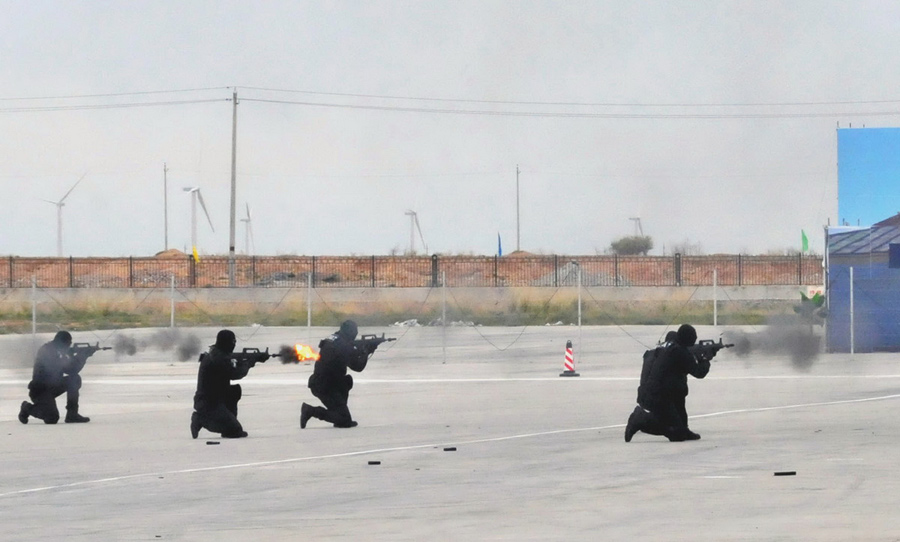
(638, 230)
(248, 232)
(413, 226)
(59, 205)
(195, 197)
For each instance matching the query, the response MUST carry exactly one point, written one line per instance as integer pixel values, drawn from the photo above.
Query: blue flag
(499, 245)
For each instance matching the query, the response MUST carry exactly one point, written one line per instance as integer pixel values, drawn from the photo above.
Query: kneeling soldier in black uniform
(330, 381)
(664, 389)
(215, 403)
(56, 369)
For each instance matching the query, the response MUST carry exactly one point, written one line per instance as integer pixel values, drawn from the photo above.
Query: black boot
(195, 424)
(24, 411)
(305, 414)
(72, 415)
(634, 423)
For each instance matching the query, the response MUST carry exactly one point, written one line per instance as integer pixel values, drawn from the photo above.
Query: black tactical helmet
(226, 340)
(63, 337)
(349, 329)
(687, 335)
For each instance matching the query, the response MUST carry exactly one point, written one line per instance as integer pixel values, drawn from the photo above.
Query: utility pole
(234, 103)
(517, 208)
(165, 207)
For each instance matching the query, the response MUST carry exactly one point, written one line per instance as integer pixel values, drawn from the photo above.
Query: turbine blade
(73, 188)
(248, 210)
(422, 237)
(203, 205)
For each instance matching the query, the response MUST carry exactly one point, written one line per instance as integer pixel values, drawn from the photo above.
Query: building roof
(864, 240)
(892, 221)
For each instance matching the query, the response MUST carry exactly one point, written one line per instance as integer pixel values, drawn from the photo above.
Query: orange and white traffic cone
(570, 362)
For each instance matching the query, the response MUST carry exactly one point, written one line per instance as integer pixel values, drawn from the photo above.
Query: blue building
(873, 256)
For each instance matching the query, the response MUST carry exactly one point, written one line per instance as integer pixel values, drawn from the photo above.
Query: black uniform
(216, 399)
(330, 382)
(55, 372)
(661, 396)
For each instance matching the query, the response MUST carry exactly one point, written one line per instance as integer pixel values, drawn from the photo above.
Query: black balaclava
(349, 330)
(225, 340)
(63, 338)
(687, 335)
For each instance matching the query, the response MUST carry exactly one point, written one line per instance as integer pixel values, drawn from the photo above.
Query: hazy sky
(714, 122)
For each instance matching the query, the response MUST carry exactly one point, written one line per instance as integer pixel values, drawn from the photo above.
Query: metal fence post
(740, 270)
(193, 272)
(800, 268)
(10, 271)
(556, 271)
(677, 262)
(496, 259)
(373, 270)
(434, 270)
(71, 272)
(252, 270)
(131, 271)
(616, 268)
(312, 279)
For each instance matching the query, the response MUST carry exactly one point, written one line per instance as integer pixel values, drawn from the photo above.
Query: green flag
(804, 242)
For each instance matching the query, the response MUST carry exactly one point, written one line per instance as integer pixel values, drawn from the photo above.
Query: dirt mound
(171, 253)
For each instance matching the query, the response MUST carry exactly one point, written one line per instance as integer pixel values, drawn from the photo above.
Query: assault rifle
(86, 350)
(253, 356)
(706, 349)
(250, 355)
(80, 353)
(370, 342)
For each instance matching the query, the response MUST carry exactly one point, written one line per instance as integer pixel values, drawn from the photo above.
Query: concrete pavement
(538, 457)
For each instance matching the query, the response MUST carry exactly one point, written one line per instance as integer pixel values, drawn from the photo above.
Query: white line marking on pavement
(418, 447)
(800, 405)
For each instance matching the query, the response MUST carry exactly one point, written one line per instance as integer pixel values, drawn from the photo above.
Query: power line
(546, 114)
(592, 104)
(110, 95)
(105, 106)
(477, 112)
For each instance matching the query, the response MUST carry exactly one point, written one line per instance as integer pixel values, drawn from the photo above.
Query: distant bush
(632, 245)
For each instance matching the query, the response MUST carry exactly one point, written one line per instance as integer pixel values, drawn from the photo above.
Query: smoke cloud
(287, 354)
(800, 342)
(184, 345)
